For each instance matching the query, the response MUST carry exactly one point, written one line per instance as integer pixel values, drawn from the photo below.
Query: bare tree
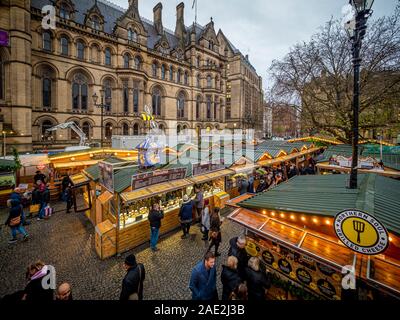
(316, 78)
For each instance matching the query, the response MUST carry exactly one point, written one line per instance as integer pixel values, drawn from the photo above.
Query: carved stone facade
(193, 78)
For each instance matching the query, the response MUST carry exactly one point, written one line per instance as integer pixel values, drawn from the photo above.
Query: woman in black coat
(257, 281)
(230, 278)
(215, 231)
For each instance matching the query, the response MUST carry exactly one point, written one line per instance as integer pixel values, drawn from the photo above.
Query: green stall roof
(327, 195)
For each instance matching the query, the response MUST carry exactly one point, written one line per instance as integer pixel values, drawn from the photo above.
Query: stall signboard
(204, 168)
(107, 175)
(4, 38)
(318, 277)
(143, 180)
(361, 232)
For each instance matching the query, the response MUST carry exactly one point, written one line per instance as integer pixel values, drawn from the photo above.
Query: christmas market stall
(312, 231)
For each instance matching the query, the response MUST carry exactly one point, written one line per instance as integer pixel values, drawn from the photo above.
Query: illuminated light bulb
(282, 215)
(328, 222)
(303, 219)
(273, 214)
(72, 159)
(390, 239)
(315, 220)
(292, 217)
(264, 212)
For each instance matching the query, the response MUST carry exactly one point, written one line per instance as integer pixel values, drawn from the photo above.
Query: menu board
(204, 168)
(318, 277)
(143, 180)
(107, 175)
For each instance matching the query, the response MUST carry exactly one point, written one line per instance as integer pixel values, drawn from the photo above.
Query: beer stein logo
(359, 227)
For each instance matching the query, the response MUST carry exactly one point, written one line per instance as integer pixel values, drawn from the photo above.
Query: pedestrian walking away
(132, 285)
(215, 231)
(155, 217)
(186, 216)
(68, 198)
(199, 202)
(203, 280)
(14, 221)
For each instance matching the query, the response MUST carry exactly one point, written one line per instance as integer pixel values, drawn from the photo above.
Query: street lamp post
(356, 29)
(101, 106)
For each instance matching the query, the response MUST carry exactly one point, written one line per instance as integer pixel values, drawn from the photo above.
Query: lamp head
(95, 98)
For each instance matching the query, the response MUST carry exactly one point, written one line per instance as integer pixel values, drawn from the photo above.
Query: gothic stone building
(192, 78)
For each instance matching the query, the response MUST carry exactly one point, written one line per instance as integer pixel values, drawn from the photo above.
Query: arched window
(95, 23)
(86, 129)
(198, 107)
(64, 11)
(95, 53)
(186, 80)
(64, 46)
(135, 100)
(135, 129)
(46, 93)
(47, 124)
(216, 82)
(132, 35)
(211, 45)
(156, 102)
(215, 109)
(127, 59)
(178, 129)
(181, 105)
(209, 107)
(209, 82)
(109, 129)
(108, 95)
(47, 43)
(198, 62)
(108, 57)
(125, 129)
(179, 76)
(154, 69)
(171, 73)
(138, 63)
(80, 50)
(79, 92)
(163, 72)
(198, 81)
(126, 98)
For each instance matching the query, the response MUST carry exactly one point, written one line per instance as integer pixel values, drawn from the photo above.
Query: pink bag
(48, 211)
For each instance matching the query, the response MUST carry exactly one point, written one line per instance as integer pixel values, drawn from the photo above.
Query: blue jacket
(203, 283)
(185, 214)
(16, 197)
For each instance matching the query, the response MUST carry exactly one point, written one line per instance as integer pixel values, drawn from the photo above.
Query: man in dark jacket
(44, 201)
(132, 285)
(230, 278)
(14, 221)
(155, 217)
(238, 249)
(203, 281)
(244, 186)
(199, 202)
(39, 177)
(186, 216)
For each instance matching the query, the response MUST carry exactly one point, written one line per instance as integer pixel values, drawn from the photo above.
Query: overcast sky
(264, 29)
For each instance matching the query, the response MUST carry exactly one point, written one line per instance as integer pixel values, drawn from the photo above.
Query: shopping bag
(48, 211)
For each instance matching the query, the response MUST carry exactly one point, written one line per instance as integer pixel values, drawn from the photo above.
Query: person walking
(34, 291)
(203, 280)
(215, 232)
(238, 249)
(155, 217)
(16, 195)
(14, 221)
(199, 202)
(257, 281)
(230, 277)
(186, 216)
(205, 220)
(69, 198)
(132, 285)
(44, 200)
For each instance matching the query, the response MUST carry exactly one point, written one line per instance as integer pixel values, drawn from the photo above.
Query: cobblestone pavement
(66, 241)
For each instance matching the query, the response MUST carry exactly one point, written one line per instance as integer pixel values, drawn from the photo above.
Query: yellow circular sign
(251, 249)
(361, 232)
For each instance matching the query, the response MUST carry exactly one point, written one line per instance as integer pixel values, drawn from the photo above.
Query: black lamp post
(356, 29)
(101, 106)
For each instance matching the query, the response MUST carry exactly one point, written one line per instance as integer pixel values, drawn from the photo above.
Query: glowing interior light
(328, 222)
(282, 215)
(315, 220)
(390, 239)
(292, 217)
(273, 214)
(303, 219)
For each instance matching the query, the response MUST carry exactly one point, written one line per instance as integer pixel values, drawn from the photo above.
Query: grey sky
(264, 29)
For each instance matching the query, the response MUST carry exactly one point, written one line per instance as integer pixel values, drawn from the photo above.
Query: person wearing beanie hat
(132, 285)
(186, 215)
